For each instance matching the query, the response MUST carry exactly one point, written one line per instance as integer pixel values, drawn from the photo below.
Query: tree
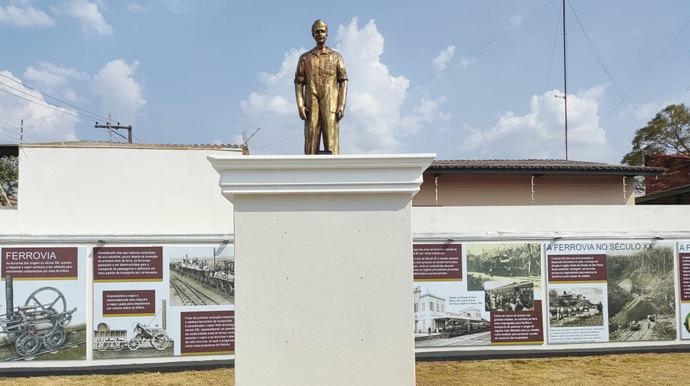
(667, 133)
(8, 177)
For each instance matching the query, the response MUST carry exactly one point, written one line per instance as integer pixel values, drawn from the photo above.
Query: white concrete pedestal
(323, 262)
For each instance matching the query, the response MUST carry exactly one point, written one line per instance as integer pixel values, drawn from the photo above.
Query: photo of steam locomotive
(38, 326)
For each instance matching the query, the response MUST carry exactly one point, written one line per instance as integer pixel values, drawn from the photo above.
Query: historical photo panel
(43, 308)
(477, 294)
(130, 303)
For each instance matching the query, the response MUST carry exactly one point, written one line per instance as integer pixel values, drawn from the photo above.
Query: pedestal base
(324, 269)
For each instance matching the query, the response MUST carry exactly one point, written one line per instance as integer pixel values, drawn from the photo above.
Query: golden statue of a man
(321, 91)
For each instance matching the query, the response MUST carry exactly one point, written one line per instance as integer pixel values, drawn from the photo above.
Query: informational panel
(615, 291)
(130, 295)
(202, 297)
(43, 307)
(477, 294)
(684, 283)
(152, 301)
(577, 292)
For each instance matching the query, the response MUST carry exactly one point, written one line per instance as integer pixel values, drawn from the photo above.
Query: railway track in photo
(52, 351)
(192, 293)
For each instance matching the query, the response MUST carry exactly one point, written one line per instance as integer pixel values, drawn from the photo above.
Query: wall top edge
(224, 162)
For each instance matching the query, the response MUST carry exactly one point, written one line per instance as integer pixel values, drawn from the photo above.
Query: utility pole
(110, 128)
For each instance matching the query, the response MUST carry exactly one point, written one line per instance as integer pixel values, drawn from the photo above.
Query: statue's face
(320, 33)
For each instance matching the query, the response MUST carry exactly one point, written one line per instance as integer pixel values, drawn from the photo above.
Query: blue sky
(463, 79)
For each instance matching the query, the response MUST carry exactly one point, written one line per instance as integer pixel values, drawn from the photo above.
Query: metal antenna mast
(565, 86)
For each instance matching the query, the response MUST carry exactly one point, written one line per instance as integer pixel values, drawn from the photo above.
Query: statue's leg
(311, 128)
(330, 129)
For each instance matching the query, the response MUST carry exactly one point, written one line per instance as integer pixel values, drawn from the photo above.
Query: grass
(609, 370)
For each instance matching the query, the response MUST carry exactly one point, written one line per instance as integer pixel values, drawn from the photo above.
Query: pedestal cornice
(351, 174)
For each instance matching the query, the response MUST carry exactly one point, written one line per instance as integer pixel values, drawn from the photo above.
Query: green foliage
(8, 176)
(474, 283)
(667, 133)
(618, 298)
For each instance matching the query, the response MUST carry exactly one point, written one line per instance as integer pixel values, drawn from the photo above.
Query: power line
(45, 104)
(548, 77)
(461, 60)
(81, 114)
(92, 116)
(16, 132)
(625, 96)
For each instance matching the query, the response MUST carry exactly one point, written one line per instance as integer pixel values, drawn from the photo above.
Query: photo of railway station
(436, 326)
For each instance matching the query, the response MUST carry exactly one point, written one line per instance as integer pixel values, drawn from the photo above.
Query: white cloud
(515, 20)
(134, 7)
(21, 13)
(121, 94)
(277, 98)
(428, 111)
(516, 136)
(49, 76)
(42, 122)
(92, 21)
(373, 120)
(176, 6)
(443, 59)
(466, 61)
(71, 96)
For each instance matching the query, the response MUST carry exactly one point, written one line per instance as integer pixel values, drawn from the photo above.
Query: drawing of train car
(104, 338)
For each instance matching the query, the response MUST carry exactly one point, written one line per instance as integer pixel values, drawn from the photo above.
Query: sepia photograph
(510, 262)
(641, 297)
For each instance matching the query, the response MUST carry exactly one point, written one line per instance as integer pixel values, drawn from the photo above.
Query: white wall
(101, 191)
(547, 222)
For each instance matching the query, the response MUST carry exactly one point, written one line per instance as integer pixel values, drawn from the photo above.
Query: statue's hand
(339, 114)
(302, 112)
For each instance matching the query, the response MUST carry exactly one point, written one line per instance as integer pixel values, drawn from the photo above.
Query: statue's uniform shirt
(320, 72)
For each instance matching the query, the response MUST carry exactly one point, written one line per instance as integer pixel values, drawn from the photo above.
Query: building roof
(679, 196)
(540, 166)
(7, 150)
(13, 149)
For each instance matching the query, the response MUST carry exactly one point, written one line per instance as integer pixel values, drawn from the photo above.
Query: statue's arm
(299, 95)
(342, 99)
(299, 89)
(342, 88)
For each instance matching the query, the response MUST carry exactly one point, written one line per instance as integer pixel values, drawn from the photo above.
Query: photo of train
(142, 337)
(202, 277)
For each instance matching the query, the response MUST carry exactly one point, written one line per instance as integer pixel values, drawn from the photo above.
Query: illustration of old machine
(156, 337)
(40, 322)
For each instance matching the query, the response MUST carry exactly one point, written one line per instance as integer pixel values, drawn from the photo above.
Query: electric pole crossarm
(117, 127)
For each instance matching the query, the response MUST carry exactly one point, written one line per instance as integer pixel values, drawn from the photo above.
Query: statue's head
(319, 30)
(319, 23)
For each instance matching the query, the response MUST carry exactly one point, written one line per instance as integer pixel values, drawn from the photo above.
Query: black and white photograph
(447, 317)
(202, 276)
(641, 297)
(515, 296)
(575, 306)
(509, 262)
